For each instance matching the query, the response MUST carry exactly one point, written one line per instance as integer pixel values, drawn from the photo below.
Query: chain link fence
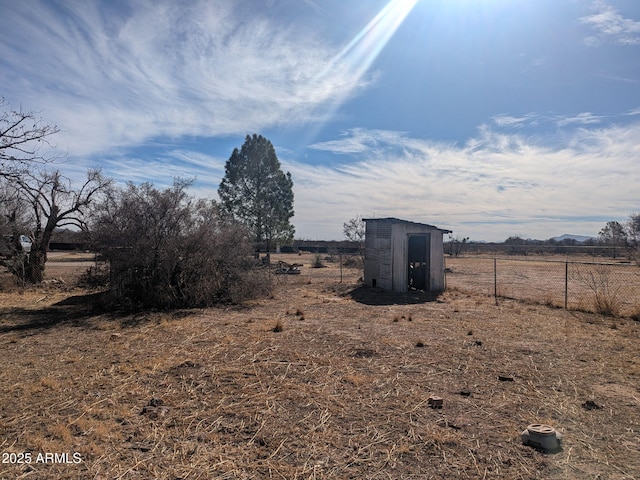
(607, 288)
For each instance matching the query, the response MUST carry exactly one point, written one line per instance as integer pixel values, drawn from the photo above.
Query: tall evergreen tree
(257, 192)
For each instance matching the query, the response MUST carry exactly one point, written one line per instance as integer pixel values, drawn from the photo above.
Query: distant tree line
(623, 236)
(615, 239)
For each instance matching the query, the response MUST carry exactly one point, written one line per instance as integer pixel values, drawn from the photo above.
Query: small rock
(503, 378)
(188, 364)
(155, 409)
(154, 412)
(435, 402)
(465, 392)
(591, 405)
(143, 447)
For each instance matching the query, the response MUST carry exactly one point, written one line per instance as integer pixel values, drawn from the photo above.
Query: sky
(491, 118)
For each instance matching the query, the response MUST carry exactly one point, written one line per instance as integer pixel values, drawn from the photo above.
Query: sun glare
(360, 53)
(363, 49)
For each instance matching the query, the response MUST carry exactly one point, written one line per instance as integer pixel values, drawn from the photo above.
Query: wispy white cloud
(494, 186)
(126, 73)
(123, 79)
(610, 25)
(619, 78)
(585, 118)
(504, 120)
(359, 140)
(205, 170)
(538, 62)
(535, 119)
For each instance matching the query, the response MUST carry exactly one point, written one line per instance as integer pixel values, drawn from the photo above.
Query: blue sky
(487, 117)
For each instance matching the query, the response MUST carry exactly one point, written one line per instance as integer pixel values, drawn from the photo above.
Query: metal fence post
(566, 284)
(495, 279)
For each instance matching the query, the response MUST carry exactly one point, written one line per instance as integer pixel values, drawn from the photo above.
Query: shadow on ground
(76, 311)
(377, 296)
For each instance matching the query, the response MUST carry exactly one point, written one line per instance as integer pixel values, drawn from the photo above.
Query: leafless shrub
(96, 276)
(169, 250)
(17, 263)
(317, 262)
(353, 261)
(605, 294)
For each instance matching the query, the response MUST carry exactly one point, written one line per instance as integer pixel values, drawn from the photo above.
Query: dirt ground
(589, 286)
(323, 380)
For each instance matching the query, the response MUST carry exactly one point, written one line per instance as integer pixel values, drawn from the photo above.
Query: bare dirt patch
(339, 391)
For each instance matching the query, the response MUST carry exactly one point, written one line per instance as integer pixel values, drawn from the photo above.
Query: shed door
(418, 262)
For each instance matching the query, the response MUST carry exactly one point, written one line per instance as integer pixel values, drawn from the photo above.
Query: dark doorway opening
(418, 262)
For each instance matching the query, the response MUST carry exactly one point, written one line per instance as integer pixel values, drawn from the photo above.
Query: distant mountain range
(577, 238)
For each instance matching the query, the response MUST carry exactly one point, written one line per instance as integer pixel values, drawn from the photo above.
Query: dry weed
(341, 395)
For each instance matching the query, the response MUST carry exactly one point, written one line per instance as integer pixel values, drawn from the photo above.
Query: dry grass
(342, 394)
(610, 289)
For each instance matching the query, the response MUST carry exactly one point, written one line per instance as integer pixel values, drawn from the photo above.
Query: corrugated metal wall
(386, 260)
(371, 265)
(437, 262)
(383, 246)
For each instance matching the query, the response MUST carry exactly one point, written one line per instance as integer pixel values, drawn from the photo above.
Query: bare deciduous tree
(14, 222)
(633, 237)
(54, 203)
(14, 213)
(625, 235)
(455, 246)
(22, 135)
(614, 235)
(354, 230)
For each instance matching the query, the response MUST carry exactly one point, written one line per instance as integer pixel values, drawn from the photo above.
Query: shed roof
(398, 220)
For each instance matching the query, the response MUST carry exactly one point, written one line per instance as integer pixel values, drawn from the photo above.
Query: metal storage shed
(401, 255)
